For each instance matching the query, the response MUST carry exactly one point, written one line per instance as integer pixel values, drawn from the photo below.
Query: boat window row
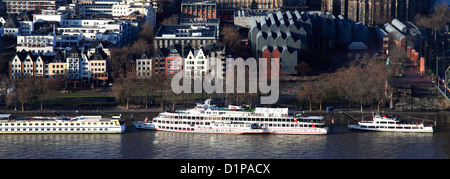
(56, 124)
(252, 119)
(52, 129)
(389, 127)
(176, 128)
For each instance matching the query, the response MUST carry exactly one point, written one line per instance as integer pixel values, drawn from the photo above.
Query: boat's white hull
(151, 126)
(64, 130)
(298, 130)
(387, 129)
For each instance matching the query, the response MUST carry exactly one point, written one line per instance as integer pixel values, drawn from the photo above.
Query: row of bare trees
(25, 90)
(362, 84)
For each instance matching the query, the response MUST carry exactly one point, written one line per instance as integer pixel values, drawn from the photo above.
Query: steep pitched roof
(144, 55)
(58, 58)
(11, 22)
(99, 54)
(161, 52)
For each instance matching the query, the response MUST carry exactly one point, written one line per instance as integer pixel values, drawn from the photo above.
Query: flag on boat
(313, 126)
(234, 107)
(295, 120)
(146, 119)
(332, 120)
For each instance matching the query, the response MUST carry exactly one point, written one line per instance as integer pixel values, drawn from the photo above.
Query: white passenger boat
(206, 118)
(79, 124)
(389, 123)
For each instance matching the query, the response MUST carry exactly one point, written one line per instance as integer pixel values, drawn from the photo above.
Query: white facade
(126, 9)
(196, 63)
(11, 31)
(39, 66)
(84, 67)
(16, 67)
(50, 16)
(118, 33)
(28, 66)
(35, 43)
(144, 67)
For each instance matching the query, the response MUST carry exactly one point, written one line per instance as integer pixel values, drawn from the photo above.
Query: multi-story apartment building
(35, 43)
(202, 61)
(196, 63)
(27, 64)
(159, 61)
(18, 6)
(16, 65)
(195, 35)
(11, 26)
(174, 60)
(26, 23)
(376, 12)
(57, 66)
(198, 8)
(144, 66)
(73, 64)
(98, 66)
(118, 33)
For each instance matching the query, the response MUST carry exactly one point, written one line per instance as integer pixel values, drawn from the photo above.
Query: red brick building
(198, 8)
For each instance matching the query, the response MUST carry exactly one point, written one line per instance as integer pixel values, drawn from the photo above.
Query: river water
(340, 143)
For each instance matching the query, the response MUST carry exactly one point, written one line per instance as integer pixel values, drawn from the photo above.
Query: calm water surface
(142, 144)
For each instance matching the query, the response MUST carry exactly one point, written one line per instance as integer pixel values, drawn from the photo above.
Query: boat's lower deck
(392, 128)
(194, 129)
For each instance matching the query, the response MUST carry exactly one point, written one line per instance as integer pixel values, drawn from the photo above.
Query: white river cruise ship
(389, 123)
(206, 118)
(79, 124)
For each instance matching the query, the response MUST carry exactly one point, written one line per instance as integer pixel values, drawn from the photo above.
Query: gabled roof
(99, 54)
(58, 58)
(74, 49)
(11, 22)
(21, 55)
(163, 52)
(144, 55)
(24, 17)
(175, 48)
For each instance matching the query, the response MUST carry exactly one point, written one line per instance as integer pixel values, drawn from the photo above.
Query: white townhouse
(84, 68)
(196, 63)
(15, 65)
(73, 64)
(27, 64)
(144, 66)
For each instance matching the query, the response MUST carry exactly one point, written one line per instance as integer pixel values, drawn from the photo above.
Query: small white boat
(387, 123)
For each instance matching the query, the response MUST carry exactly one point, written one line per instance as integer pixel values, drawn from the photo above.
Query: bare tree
(307, 93)
(124, 90)
(172, 20)
(439, 18)
(232, 38)
(46, 88)
(25, 90)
